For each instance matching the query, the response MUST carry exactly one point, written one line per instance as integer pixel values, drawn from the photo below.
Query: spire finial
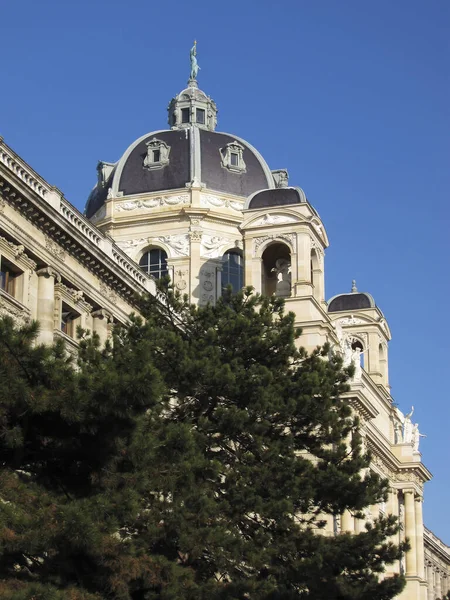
(194, 64)
(354, 288)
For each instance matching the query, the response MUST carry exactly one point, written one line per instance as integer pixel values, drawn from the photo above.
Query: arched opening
(154, 262)
(276, 270)
(358, 352)
(233, 270)
(357, 358)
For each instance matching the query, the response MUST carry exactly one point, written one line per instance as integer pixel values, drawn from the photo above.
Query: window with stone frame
(154, 262)
(70, 319)
(200, 116)
(232, 157)
(233, 270)
(157, 156)
(9, 276)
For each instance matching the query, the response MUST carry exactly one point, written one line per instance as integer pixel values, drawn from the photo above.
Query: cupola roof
(355, 300)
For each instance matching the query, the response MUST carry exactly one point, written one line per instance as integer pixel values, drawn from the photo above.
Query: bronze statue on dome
(194, 64)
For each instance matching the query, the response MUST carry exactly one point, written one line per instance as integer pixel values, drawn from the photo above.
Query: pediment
(272, 219)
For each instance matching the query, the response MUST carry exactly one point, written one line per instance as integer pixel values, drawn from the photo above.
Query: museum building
(205, 208)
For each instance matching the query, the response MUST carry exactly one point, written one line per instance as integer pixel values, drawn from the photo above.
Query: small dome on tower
(192, 107)
(353, 301)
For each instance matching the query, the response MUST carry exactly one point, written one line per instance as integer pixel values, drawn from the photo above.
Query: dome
(190, 154)
(353, 301)
(276, 197)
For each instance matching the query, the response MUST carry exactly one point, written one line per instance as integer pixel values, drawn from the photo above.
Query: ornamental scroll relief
(152, 203)
(216, 202)
(211, 245)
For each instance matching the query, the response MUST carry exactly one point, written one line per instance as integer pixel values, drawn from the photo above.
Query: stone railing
(23, 171)
(431, 537)
(80, 222)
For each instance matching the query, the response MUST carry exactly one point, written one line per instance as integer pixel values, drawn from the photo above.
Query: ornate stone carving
(178, 243)
(49, 272)
(181, 283)
(108, 293)
(232, 157)
(209, 200)
(208, 283)
(55, 248)
(290, 238)
(101, 313)
(211, 245)
(2, 204)
(351, 320)
(129, 246)
(195, 235)
(8, 308)
(153, 203)
(281, 178)
(269, 219)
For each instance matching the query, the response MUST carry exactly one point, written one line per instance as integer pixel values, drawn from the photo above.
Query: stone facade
(64, 269)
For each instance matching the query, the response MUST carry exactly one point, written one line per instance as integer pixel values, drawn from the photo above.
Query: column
(196, 290)
(100, 320)
(347, 522)
(430, 581)
(419, 538)
(410, 530)
(438, 587)
(46, 304)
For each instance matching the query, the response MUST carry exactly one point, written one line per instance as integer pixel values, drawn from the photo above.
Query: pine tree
(195, 457)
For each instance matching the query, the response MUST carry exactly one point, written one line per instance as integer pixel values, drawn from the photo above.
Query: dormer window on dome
(232, 156)
(157, 155)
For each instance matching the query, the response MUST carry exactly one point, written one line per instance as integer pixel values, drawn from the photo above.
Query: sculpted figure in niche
(357, 352)
(408, 427)
(283, 271)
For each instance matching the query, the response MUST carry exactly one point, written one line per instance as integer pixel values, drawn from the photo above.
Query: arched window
(154, 262)
(276, 270)
(233, 270)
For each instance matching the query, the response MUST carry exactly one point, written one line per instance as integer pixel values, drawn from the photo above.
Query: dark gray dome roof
(276, 197)
(353, 301)
(195, 154)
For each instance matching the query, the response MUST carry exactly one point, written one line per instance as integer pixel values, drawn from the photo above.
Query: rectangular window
(69, 320)
(185, 115)
(200, 116)
(156, 155)
(234, 159)
(8, 275)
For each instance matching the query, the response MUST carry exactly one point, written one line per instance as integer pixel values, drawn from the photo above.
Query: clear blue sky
(352, 96)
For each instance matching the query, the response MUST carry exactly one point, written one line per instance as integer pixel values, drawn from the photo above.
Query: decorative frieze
(179, 244)
(273, 219)
(150, 203)
(216, 202)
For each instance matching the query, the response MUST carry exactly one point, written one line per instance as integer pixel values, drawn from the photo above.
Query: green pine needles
(196, 457)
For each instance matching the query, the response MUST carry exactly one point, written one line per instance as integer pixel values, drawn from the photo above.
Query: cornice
(78, 237)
